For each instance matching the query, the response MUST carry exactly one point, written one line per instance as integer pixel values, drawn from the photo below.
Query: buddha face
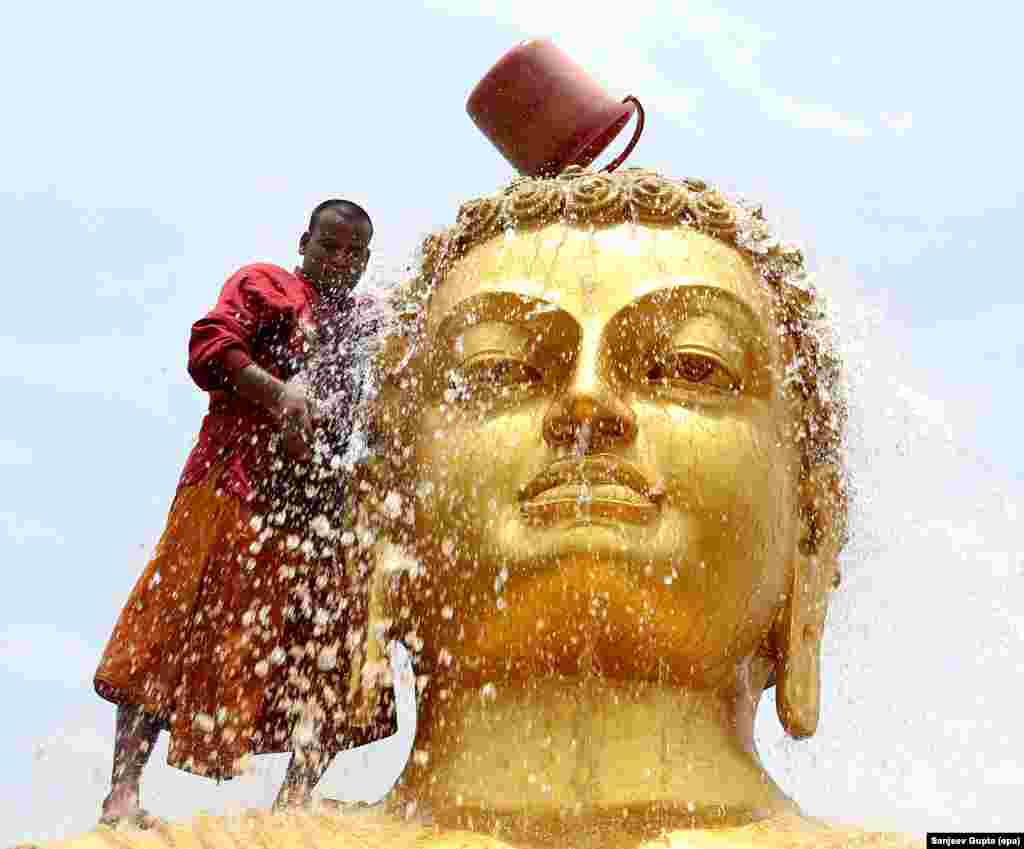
(606, 468)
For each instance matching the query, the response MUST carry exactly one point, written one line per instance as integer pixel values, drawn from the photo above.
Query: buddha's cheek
(470, 470)
(730, 505)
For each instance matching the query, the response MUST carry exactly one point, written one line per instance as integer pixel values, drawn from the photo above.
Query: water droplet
(328, 658)
(393, 505)
(203, 722)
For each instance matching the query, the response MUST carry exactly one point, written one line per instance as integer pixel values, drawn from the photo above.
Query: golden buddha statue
(605, 513)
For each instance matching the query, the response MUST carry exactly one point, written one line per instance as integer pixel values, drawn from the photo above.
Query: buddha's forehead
(592, 274)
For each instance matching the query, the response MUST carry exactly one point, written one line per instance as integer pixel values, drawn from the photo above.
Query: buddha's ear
(815, 572)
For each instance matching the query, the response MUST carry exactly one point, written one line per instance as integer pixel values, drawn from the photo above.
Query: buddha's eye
(692, 366)
(498, 371)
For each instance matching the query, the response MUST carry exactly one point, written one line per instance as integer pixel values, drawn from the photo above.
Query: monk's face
(336, 251)
(605, 459)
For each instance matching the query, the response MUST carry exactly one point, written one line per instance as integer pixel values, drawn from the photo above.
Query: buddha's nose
(590, 415)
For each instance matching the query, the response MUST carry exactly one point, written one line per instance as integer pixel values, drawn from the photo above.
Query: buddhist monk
(212, 644)
(609, 500)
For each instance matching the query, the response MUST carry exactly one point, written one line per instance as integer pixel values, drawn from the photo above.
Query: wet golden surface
(373, 830)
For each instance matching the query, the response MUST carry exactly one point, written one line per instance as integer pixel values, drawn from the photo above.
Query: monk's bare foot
(291, 799)
(121, 807)
(337, 806)
(138, 818)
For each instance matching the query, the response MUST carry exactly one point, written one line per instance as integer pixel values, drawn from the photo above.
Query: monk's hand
(295, 411)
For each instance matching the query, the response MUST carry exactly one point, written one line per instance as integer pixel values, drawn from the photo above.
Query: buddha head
(610, 443)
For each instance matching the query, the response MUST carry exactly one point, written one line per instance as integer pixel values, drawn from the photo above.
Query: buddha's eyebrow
(506, 307)
(697, 298)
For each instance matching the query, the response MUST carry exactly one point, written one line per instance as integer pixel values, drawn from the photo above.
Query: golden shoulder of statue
(608, 500)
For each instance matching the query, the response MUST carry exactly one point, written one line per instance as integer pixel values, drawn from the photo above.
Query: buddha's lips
(591, 472)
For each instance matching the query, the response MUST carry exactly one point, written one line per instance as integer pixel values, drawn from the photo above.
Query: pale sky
(150, 149)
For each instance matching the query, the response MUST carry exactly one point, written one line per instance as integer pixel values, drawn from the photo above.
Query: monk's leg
(134, 740)
(305, 770)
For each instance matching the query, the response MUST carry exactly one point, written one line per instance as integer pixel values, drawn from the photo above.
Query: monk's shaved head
(346, 208)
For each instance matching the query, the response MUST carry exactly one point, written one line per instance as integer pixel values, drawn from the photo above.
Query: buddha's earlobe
(798, 690)
(801, 626)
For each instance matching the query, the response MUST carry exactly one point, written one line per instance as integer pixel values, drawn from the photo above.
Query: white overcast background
(150, 149)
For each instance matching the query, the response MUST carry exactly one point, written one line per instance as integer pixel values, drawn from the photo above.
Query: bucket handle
(618, 160)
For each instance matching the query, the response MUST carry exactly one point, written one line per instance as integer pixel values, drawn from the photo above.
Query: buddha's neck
(589, 747)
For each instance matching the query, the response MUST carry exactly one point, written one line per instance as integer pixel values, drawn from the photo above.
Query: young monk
(205, 646)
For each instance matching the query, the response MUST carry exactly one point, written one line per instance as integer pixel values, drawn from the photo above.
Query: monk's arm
(223, 343)
(284, 400)
(220, 356)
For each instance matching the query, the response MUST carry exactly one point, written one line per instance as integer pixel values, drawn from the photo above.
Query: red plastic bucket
(543, 112)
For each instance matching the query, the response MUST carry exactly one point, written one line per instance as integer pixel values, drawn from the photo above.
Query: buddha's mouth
(596, 486)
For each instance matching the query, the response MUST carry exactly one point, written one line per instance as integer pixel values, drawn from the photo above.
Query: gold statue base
(376, 829)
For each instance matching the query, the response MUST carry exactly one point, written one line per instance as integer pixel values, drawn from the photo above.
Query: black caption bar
(975, 838)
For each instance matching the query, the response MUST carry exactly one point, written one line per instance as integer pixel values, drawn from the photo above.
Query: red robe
(264, 316)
